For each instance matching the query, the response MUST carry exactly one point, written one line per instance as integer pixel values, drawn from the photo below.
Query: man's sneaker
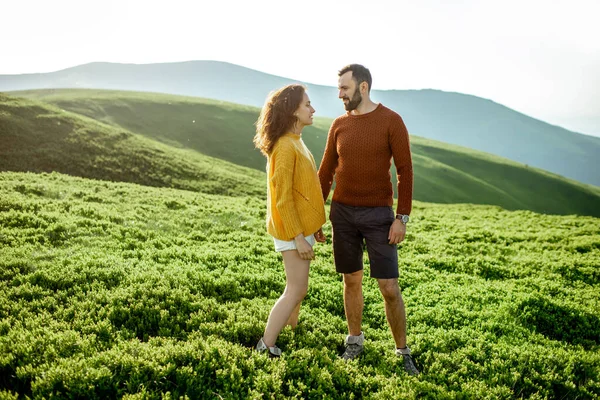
(409, 364)
(272, 351)
(354, 346)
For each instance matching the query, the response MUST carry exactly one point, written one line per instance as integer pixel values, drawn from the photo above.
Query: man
(360, 146)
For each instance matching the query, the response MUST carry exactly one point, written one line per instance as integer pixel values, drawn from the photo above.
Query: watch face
(402, 217)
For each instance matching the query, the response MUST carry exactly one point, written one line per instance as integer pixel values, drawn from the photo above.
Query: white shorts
(285, 245)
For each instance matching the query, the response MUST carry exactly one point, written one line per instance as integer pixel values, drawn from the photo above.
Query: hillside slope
(38, 137)
(443, 173)
(456, 118)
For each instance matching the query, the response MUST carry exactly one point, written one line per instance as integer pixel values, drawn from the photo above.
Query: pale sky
(539, 57)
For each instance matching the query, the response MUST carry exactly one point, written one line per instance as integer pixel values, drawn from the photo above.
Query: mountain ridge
(452, 117)
(443, 173)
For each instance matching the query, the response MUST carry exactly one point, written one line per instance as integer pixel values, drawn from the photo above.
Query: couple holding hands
(359, 149)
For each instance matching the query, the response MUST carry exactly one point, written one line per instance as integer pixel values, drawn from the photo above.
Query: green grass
(119, 290)
(443, 173)
(39, 137)
(494, 180)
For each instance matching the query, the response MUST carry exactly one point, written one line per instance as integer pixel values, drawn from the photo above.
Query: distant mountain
(455, 118)
(443, 173)
(590, 124)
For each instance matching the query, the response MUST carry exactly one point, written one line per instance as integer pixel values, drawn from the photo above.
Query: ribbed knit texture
(359, 151)
(294, 199)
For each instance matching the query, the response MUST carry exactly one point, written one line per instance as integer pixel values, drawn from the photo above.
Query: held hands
(397, 232)
(320, 236)
(304, 248)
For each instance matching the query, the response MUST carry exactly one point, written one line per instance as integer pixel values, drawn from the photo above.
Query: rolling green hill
(455, 118)
(443, 173)
(114, 290)
(38, 137)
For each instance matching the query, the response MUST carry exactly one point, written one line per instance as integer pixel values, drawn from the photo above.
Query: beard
(354, 101)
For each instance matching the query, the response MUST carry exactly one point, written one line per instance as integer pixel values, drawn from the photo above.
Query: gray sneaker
(409, 363)
(354, 346)
(272, 351)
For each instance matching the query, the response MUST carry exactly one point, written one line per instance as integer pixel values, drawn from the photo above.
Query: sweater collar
(293, 135)
(379, 107)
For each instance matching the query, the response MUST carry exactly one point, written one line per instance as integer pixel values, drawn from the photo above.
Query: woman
(295, 210)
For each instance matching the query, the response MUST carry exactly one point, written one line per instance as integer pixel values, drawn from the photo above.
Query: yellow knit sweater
(294, 197)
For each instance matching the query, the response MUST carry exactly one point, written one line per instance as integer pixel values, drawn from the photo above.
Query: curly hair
(277, 116)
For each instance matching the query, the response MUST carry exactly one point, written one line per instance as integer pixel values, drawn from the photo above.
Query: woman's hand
(304, 248)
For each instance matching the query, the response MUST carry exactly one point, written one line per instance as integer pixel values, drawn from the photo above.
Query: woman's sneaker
(354, 346)
(409, 364)
(272, 351)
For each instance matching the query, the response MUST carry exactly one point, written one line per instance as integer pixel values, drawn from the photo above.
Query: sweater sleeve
(400, 145)
(328, 163)
(284, 158)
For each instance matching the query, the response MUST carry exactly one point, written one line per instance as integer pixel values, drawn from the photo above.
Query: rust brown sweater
(359, 151)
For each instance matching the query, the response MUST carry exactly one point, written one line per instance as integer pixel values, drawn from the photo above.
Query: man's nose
(340, 94)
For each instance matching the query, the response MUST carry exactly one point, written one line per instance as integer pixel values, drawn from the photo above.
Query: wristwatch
(403, 217)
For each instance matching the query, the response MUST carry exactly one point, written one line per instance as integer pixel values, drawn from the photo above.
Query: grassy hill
(484, 125)
(39, 137)
(443, 173)
(116, 290)
(455, 118)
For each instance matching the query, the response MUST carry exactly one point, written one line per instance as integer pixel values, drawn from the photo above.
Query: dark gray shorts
(353, 225)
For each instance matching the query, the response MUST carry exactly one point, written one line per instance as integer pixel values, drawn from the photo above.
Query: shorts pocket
(333, 211)
(385, 215)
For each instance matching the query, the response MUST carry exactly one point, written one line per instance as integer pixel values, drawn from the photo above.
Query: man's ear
(364, 88)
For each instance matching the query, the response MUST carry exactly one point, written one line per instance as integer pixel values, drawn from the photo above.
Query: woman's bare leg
(296, 273)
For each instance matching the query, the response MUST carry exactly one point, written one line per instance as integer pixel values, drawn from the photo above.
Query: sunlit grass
(113, 289)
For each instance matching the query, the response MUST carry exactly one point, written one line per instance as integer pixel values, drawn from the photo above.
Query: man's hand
(305, 250)
(320, 236)
(397, 232)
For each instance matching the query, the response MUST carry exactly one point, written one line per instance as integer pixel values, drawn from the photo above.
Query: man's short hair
(360, 74)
